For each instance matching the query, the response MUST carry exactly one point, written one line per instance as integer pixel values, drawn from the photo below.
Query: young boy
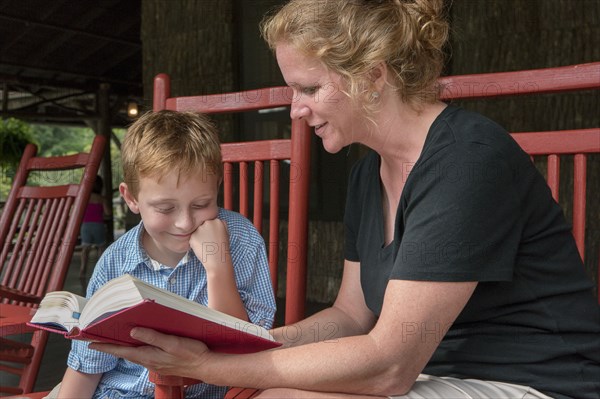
(184, 243)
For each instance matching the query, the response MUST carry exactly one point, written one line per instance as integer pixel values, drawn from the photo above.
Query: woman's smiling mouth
(319, 128)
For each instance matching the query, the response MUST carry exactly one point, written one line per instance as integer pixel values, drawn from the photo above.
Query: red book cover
(218, 337)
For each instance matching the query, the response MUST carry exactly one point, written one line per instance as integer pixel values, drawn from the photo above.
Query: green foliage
(60, 140)
(14, 136)
(52, 140)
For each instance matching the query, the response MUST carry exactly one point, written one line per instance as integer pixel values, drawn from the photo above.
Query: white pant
(431, 387)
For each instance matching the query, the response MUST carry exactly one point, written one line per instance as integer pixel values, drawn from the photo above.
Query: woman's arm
(349, 315)
(78, 385)
(384, 360)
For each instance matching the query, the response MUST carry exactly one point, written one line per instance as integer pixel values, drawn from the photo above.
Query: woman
(93, 228)
(461, 277)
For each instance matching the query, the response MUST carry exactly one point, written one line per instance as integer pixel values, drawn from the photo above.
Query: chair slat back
(251, 168)
(254, 168)
(553, 144)
(40, 221)
(39, 227)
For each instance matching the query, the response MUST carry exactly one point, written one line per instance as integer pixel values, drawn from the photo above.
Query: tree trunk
(193, 41)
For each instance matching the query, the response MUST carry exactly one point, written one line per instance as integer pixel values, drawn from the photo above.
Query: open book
(127, 302)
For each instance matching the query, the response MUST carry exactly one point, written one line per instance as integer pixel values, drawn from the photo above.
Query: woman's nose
(299, 110)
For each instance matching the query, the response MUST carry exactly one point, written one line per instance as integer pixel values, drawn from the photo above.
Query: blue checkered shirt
(123, 379)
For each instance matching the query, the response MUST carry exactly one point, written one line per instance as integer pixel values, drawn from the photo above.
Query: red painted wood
(257, 215)
(162, 90)
(296, 150)
(261, 150)
(553, 177)
(534, 81)
(555, 143)
(582, 141)
(274, 222)
(244, 189)
(38, 230)
(228, 185)
(48, 192)
(298, 212)
(234, 102)
(579, 202)
(169, 386)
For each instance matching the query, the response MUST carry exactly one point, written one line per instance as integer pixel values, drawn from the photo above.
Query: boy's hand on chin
(210, 243)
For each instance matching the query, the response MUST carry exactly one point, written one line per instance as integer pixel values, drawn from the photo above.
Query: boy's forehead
(176, 179)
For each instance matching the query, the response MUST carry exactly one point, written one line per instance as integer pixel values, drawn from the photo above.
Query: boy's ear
(129, 198)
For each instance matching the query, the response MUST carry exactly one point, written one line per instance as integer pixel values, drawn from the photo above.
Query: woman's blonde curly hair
(351, 37)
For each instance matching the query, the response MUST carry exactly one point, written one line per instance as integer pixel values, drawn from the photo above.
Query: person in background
(93, 228)
(185, 243)
(461, 275)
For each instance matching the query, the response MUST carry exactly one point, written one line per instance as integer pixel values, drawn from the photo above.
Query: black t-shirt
(475, 208)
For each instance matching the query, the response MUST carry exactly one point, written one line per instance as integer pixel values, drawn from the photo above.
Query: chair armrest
(169, 386)
(242, 393)
(18, 295)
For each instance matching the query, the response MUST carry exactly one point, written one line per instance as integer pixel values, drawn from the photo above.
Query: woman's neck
(399, 141)
(401, 131)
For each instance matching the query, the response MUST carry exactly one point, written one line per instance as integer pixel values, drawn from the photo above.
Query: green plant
(14, 136)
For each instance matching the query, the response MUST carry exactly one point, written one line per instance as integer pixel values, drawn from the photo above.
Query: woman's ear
(129, 198)
(378, 76)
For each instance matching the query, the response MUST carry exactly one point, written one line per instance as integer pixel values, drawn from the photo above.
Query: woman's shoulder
(465, 126)
(462, 134)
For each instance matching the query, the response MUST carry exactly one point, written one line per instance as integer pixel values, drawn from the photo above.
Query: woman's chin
(331, 147)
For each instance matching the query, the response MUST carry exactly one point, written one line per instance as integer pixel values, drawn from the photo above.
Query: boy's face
(172, 210)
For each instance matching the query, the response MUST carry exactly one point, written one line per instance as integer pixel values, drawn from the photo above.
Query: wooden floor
(57, 349)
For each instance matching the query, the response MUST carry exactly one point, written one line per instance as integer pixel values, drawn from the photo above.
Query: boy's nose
(184, 220)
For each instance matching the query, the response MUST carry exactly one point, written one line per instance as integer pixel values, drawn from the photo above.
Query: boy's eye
(164, 210)
(200, 206)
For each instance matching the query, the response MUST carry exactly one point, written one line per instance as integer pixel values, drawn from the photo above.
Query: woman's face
(319, 99)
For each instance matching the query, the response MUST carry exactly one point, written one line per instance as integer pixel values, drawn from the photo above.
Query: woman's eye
(310, 90)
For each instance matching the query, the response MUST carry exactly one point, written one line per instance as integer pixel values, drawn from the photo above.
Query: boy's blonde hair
(164, 141)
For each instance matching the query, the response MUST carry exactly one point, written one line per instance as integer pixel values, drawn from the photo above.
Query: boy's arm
(210, 243)
(77, 385)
